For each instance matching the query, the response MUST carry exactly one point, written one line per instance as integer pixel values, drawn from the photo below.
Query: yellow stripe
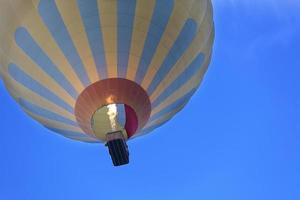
(72, 19)
(179, 16)
(11, 90)
(108, 20)
(61, 126)
(40, 76)
(2, 68)
(85, 139)
(7, 19)
(1, 71)
(192, 83)
(19, 91)
(29, 67)
(164, 117)
(51, 123)
(33, 23)
(144, 11)
(35, 3)
(200, 9)
(202, 41)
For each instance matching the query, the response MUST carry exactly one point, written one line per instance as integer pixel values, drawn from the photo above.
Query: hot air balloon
(104, 70)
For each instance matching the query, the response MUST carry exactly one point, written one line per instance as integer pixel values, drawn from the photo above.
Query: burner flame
(112, 114)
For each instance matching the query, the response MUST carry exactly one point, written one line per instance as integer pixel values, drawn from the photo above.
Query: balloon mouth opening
(115, 117)
(114, 104)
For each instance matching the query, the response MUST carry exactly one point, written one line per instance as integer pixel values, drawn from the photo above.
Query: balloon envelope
(65, 61)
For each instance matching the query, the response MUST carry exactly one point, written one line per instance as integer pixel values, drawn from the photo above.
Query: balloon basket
(118, 148)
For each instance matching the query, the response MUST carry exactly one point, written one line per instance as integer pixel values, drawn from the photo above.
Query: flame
(112, 114)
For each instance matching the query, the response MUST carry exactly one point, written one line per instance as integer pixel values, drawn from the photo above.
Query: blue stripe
(173, 106)
(160, 18)
(37, 110)
(73, 135)
(185, 38)
(90, 16)
(53, 20)
(67, 133)
(21, 77)
(185, 76)
(34, 51)
(151, 128)
(126, 13)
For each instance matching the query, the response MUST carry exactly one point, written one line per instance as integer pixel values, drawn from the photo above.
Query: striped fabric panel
(165, 49)
(18, 91)
(200, 43)
(90, 16)
(53, 20)
(71, 15)
(33, 50)
(181, 80)
(109, 26)
(181, 44)
(47, 114)
(161, 119)
(1, 64)
(1, 72)
(162, 114)
(126, 14)
(167, 113)
(28, 82)
(162, 12)
(73, 135)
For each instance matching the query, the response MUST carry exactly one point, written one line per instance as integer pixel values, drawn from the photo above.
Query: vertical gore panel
(181, 44)
(162, 12)
(24, 79)
(53, 20)
(126, 14)
(186, 75)
(35, 52)
(90, 16)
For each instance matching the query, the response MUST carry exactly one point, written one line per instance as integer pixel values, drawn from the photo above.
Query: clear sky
(238, 138)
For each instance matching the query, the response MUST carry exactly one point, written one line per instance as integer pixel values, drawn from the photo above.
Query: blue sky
(238, 138)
